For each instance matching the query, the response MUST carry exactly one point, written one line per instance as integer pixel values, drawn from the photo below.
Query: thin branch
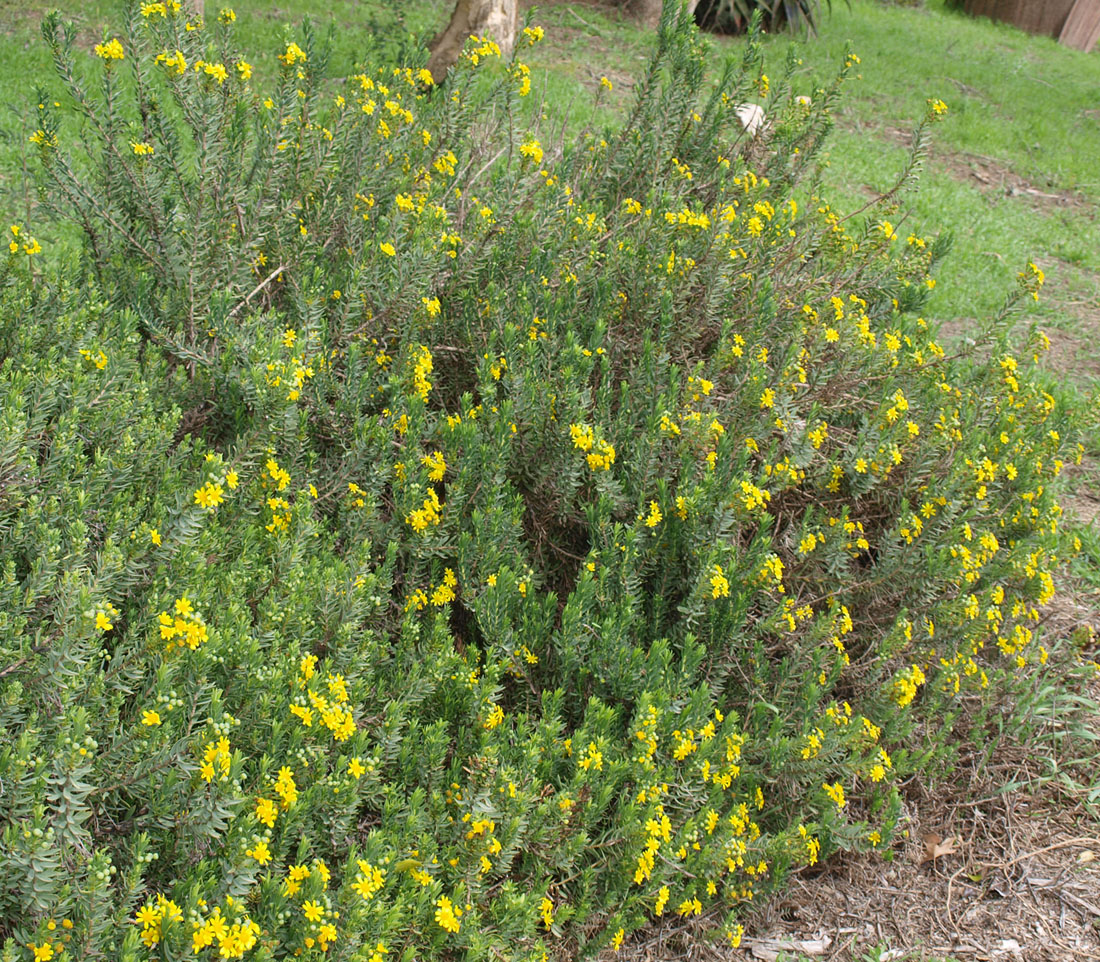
(259, 287)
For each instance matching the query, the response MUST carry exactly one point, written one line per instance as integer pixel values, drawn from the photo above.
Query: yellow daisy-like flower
(260, 852)
(719, 583)
(112, 50)
(266, 811)
(293, 54)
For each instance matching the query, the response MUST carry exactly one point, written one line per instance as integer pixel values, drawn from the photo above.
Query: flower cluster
(599, 453)
(233, 939)
(184, 627)
(155, 917)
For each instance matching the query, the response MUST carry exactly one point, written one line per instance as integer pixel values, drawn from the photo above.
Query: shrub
(423, 539)
(735, 16)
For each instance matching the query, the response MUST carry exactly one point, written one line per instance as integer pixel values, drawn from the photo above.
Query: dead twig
(256, 290)
(1012, 861)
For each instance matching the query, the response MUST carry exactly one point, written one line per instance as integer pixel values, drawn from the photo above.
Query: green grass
(1023, 110)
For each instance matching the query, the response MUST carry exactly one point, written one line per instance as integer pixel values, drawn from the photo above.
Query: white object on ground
(751, 117)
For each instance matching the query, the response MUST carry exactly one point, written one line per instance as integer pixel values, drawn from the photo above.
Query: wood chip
(769, 949)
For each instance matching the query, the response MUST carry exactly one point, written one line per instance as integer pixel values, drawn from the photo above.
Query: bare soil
(989, 175)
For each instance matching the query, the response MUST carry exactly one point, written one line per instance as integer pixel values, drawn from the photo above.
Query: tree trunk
(649, 11)
(646, 11)
(496, 19)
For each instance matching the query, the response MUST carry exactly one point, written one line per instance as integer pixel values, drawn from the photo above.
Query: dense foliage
(735, 16)
(421, 539)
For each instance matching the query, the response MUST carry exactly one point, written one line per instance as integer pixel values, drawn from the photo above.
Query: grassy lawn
(1013, 174)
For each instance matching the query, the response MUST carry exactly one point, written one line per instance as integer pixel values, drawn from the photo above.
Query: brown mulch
(1023, 882)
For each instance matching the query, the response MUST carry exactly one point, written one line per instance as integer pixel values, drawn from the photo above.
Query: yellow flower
(431, 305)
(147, 916)
(261, 853)
(546, 910)
(210, 495)
(42, 953)
(215, 70)
(293, 54)
(99, 359)
(533, 149)
(154, 536)
(690, 907)
(141, 148)
(436, 465)
(102, 622)
(370, 880)
(266, 812)
(582, 437)
(662, 901)
(43, 140)
(175, 61)
(387, 248)
(356, 769)
(112, 50)
(836, 793)
(313, 911)
(447, 915)
(150, 718)
(244, 69)
(719, 584)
